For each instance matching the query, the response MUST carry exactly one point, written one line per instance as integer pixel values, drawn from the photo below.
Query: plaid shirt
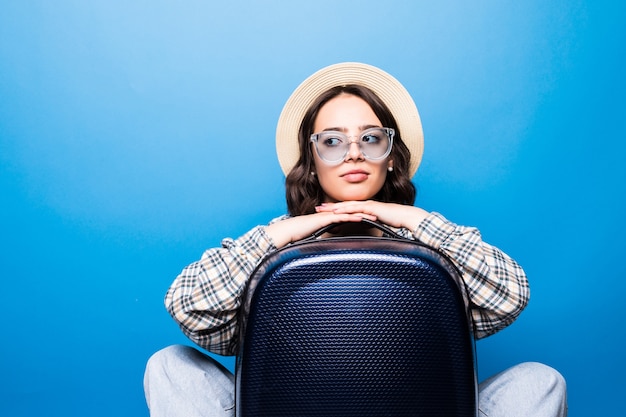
(205, 298)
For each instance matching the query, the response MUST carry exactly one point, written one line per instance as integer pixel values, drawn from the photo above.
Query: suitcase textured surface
(356, 327)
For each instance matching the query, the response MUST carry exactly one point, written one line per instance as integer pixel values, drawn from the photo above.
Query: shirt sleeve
(204, 298)
(497, 285)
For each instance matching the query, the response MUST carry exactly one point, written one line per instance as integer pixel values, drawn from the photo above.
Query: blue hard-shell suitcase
(356, 326)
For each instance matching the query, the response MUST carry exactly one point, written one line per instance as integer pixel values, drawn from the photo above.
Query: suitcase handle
(385, 229)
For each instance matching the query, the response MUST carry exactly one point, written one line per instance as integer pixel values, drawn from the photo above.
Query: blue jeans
(182, 381)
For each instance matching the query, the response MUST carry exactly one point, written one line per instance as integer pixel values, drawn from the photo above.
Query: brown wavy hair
(303, 191)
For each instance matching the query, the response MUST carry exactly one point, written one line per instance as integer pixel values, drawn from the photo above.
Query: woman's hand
(391, 214)
(299, 227)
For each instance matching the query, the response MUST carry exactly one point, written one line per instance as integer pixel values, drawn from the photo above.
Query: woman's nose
(354, 151)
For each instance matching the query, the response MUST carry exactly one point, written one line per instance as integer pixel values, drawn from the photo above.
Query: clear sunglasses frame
(346, 142)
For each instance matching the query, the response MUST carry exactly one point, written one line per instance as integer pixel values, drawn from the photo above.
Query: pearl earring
(312, 173)
(390, 168)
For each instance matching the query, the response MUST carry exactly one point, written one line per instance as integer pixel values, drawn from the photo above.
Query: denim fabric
(181, 381)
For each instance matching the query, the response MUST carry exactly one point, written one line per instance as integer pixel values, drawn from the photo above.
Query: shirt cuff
(252, 246)
(434, 230)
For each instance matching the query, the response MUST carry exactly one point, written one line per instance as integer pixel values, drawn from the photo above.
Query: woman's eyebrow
(335, 129)
(365, 127)
(345, 129)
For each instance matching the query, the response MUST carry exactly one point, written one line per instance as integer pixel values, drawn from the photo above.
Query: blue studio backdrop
(136, 134)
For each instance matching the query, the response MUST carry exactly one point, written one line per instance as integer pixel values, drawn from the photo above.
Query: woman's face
(355, 178)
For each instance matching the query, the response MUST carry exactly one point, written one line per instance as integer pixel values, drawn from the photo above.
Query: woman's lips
(355, 176)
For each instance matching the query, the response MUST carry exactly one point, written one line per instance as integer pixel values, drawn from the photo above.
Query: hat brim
(386, 87)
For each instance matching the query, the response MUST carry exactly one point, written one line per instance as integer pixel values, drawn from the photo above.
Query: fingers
(354, 207)
(342, 215)
(309, 224)
(298, 227)
(387, 213)
(391, 214)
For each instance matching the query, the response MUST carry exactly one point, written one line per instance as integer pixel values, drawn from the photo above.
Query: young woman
(349, 140)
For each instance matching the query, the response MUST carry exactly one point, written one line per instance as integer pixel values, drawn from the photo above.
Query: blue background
(135, 134)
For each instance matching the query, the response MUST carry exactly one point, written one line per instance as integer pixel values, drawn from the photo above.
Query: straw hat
(386, 87)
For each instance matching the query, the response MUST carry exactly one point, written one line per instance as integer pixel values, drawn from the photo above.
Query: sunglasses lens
(373, 143)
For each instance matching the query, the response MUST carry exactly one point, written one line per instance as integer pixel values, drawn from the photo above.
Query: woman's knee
(527, 389)
(543, 375)
(183, 364)
(181, 380)
(166, 358)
